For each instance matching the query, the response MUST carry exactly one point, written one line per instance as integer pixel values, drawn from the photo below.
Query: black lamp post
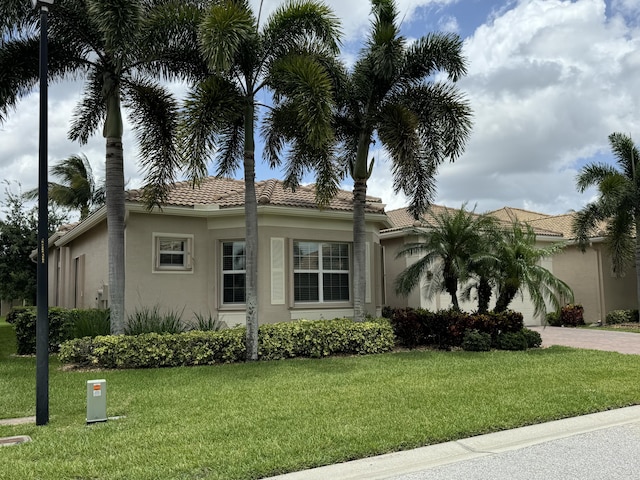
(42, 294)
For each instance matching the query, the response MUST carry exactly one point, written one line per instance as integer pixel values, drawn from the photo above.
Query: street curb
(402, 463)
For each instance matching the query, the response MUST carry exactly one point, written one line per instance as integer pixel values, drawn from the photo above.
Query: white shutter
(277, 271)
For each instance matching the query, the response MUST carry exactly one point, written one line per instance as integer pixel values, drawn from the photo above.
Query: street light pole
(42, 293)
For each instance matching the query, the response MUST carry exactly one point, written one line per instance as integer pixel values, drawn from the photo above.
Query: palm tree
(78, 190)
(220, 113)
(119, 49)
(449, 250)
(519, 270)
(391, 96)
(617, 207)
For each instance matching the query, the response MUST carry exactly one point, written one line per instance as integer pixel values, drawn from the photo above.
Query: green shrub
(512, 341)
(282, 340)
(89, 323)
(14, 312)
(153, 320)
(572, 315)
(60, 327)
(621, 316)
(475, 341)
(534, 340)
(553, 319)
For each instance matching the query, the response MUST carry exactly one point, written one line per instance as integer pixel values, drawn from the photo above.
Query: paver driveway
(623, 342)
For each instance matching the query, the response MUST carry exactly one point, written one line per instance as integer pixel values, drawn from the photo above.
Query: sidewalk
(599, 446)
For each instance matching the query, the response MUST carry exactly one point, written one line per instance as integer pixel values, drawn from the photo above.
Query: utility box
(96, 401)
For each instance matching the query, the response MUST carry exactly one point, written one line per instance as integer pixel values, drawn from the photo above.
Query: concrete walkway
(591, 338)
(599, 446)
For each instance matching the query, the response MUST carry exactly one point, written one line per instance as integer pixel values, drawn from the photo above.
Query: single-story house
(190, 254)
(589, 274)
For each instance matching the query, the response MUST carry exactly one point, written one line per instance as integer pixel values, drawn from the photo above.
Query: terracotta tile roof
(227, 193)
(511, 214)
(401, 219)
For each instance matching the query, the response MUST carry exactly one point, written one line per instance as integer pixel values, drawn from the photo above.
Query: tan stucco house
(190, 254)
(589, 274)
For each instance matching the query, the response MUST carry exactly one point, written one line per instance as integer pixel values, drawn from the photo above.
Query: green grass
(248, 421)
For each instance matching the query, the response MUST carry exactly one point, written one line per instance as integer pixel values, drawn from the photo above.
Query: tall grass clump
(90, 323)
(206, 323)
(153, 320)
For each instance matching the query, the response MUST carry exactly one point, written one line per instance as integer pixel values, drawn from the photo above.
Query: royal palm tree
(78, 190)
(245, 58)
(450, 252)
(120, 50)
(617, 207)
(391, 96)
(519, 271)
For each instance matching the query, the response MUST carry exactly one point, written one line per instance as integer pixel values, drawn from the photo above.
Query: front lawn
(247, 421)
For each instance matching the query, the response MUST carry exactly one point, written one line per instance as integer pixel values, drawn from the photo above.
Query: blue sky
(548, 81)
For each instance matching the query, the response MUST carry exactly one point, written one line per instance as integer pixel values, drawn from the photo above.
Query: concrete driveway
(592, 338)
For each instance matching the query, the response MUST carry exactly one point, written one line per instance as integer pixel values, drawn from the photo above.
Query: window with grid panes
(233, 272)
(321, 271)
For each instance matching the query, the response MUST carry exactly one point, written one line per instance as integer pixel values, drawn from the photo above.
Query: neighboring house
(190, 254)
(589, 274)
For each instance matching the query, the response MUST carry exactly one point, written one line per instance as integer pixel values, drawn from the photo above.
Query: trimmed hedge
(621, 316)
(24, 321)
(64, 325)
(302, 338)
(446, 328)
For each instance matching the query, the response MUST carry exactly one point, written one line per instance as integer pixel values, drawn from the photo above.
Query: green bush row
(446, 328)
(64, 325)
(621, 316)
(476, 341)
(281, 340)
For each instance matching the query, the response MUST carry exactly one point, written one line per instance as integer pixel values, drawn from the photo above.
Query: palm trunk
(114, 172)
(359, 250)
(251, 236)
(484, 295)
(360, 174)
(507, 294)
(451, 286)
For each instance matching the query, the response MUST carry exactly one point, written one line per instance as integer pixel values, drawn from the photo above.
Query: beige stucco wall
(92, 275)
(199, 289)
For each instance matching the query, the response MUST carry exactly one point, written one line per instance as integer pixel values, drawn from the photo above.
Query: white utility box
(96, 401)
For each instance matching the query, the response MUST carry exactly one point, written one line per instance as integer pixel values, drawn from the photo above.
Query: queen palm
(617, 206)
(119, 49)
(78, 190)
(518, 270)
(220, 114)
(450, 253)
(391, 96)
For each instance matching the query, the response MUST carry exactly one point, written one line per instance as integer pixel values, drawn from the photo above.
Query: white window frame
(187, 264)
(231, 272)
(320, 271)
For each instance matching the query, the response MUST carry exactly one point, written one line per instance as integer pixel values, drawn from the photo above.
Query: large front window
(321, 272)
(233, 272)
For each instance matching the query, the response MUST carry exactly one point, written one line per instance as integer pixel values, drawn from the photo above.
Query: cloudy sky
(548, 81)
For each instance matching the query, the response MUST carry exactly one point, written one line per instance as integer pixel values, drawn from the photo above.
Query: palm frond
(153, 112)
(118, 22)
(593, 174)
(432, 53)
(228, 29)
(91, 110)
(212, 110)
(626, 154)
